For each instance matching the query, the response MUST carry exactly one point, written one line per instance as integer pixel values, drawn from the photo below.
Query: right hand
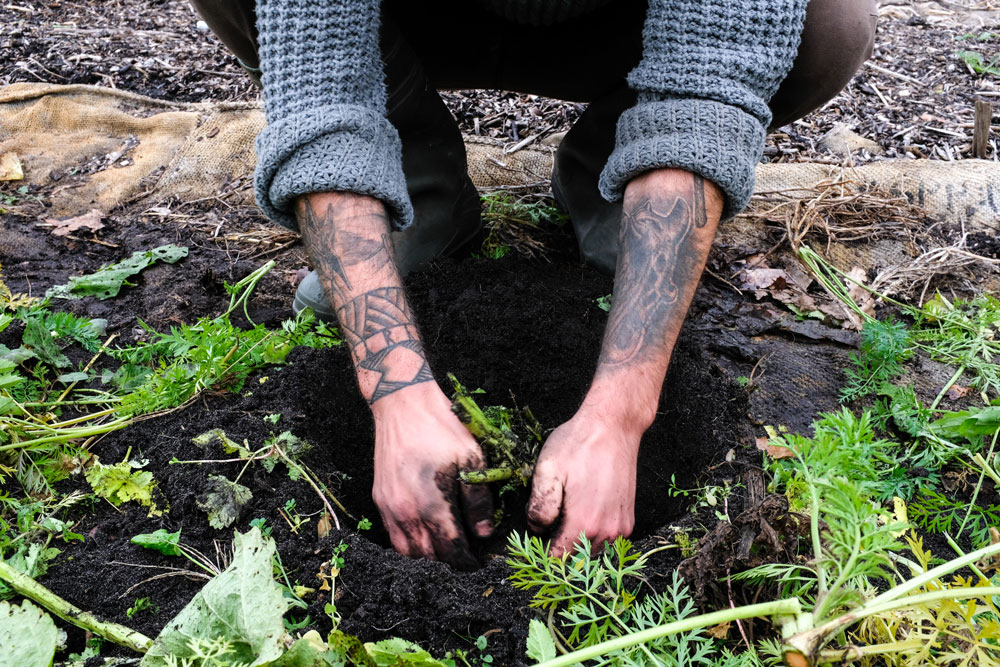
(420, 447)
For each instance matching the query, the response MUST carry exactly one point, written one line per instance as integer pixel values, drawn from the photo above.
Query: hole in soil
(511, 327)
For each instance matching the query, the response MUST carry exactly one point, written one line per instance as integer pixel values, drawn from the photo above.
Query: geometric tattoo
(383, 337)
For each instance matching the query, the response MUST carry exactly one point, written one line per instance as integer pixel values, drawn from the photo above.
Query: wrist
(424, 396)
(630, 412)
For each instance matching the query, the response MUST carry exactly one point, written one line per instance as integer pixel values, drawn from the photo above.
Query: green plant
(978, 63)
(517, 223)
(108, 280)
(885, 346)
(510, 439)
(140, 605)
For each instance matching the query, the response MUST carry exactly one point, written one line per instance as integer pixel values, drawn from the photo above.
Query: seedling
(140, 605)
(509, 454)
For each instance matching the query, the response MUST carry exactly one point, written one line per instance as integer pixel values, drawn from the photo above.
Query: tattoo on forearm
(378, 324)
(656, 262)
(379, 327)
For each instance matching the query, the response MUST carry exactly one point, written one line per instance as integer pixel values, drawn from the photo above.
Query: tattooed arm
(587, 469)
(419, 443)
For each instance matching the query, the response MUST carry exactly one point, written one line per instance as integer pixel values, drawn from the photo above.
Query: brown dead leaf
(720, 631)
(861, 296)
(774, 451)
(323, 526)
(91, 221)
(956, 392)
(10, 167)
(762, 278)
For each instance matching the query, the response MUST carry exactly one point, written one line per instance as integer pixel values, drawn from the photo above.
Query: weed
(140, 605)
(517, 223)
(978, 63)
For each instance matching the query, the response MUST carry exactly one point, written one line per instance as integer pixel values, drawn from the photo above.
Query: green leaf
(107, 281)
(73, 377)
(540, 645)
(18, 355)
(972, 423)
(7, 406)
(9, 380)
(29, 559)
(224, 501)
(39, 340)
(311, 651)
(397, 652)
(28, 636)
(160, 540)
(229, 445)
(243, 606)
(119, 484)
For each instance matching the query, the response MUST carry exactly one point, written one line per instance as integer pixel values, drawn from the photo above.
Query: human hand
(420, 447)
(584, 481)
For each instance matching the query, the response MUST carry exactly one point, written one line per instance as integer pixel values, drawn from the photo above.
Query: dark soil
(526, 331)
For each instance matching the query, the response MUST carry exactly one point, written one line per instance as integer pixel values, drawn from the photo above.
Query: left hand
(585, 476)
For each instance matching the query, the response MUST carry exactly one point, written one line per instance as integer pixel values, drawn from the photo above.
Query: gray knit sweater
(708, 70)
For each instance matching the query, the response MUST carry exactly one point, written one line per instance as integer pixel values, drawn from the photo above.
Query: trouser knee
(837, 39)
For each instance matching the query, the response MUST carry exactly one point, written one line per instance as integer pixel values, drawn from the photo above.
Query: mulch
(914, 98)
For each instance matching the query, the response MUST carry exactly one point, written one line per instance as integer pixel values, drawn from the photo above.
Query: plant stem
(486, 475)
(931, 575)
(789, 607)
(30, 588)
(957, 549)
(948, 385)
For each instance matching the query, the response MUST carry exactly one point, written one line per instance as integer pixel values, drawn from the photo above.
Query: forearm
(669, 219)
(347, 237)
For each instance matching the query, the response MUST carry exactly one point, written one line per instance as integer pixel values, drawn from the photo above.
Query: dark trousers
(428, 46)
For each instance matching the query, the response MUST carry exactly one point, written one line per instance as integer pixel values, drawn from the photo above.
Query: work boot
(446, 205)
(579, 160)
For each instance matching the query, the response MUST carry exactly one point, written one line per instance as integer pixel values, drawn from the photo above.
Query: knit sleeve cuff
(337, 148)
(720, 142)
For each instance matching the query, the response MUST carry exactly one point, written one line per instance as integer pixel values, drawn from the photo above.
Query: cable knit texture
(708, 70)
(324, 96)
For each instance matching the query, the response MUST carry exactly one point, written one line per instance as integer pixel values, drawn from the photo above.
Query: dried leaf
(91, 220)
(957, 392)
(774, 451)
(323, 526)
(720, 631)
(10, 167)
(223, 501)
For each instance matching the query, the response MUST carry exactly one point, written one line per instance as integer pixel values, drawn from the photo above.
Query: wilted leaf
(79, 376)
(397, 652)
(223, 501)
(28, 636)
(10, 167)
(160, 540)
(311, 651)
(229, 445)
(323, 526)
(774, 451)
(91, 220)
(243, 606)
(956, 392)
(107, 281)
(720, 631)
(540, 647)
(119, 483)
